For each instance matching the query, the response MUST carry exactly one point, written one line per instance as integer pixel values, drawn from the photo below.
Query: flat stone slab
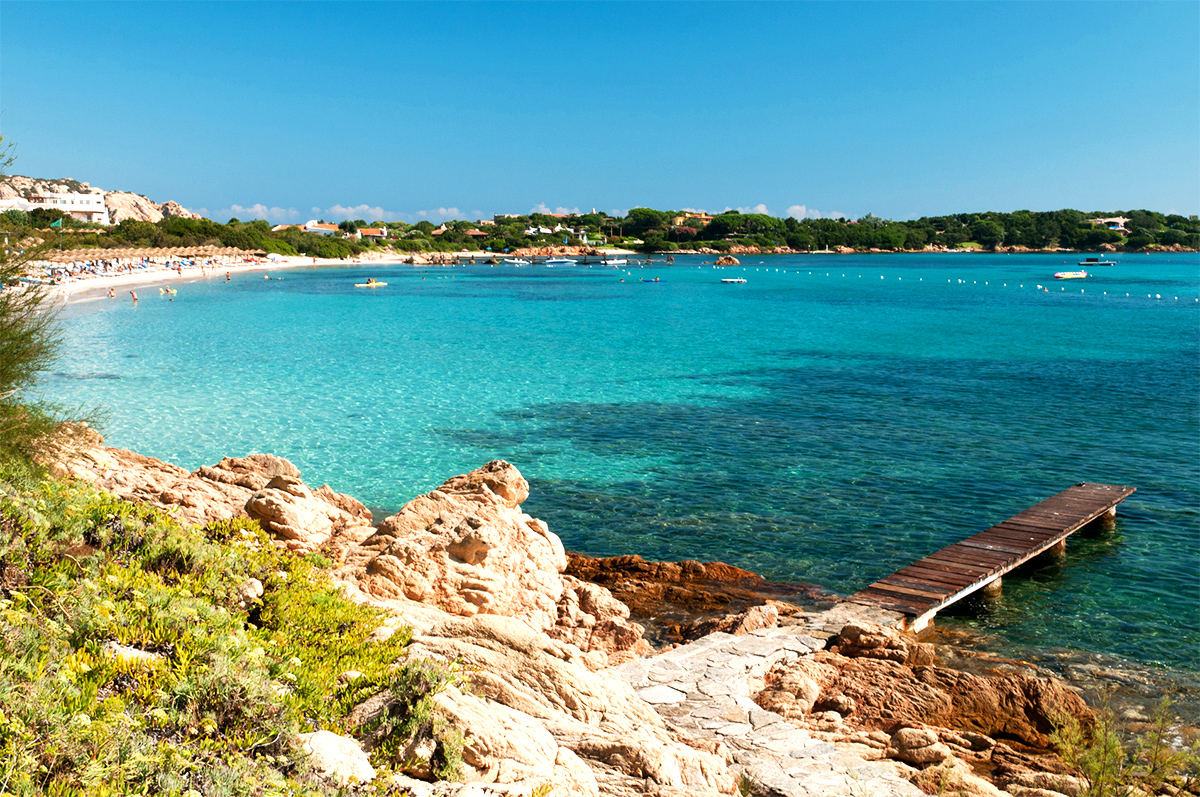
(702, 689)
(656, 695)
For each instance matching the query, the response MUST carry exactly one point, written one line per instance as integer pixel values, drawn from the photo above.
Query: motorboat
(516, 261)
(620, 261)
(737, 280)
(1096, 261)
(1070, 275)
(561, 261)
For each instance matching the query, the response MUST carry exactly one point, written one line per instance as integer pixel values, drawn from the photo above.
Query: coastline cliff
(554, 687)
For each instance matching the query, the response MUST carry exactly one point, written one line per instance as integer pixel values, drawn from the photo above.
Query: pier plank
(921, 589)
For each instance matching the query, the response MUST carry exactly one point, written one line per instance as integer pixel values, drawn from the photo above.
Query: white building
(82, 207)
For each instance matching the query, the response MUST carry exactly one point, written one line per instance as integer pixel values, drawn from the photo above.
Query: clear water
(829, 421)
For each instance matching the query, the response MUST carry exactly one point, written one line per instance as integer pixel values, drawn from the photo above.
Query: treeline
(650, 230)
(657, 230)
(175, 231)
(1069, 229)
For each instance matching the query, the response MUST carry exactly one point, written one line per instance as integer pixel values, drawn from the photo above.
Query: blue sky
(413, 110)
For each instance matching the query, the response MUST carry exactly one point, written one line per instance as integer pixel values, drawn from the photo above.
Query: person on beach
(227, 277)
(112, 293)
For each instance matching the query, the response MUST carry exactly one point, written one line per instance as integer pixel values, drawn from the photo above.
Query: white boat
(620, 261)
(516, 261)
(737, 280)
(561, 261)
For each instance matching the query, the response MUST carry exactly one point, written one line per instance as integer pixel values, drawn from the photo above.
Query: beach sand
(92, 288)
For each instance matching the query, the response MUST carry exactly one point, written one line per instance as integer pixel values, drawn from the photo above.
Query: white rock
(339, 759)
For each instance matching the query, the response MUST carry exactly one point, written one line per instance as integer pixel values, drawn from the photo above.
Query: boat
(561, 261)
(1070, 275)
(738, 280)
(516, 261)
(1096, 261)
(370, 284)
(656, 279)
(620, 261)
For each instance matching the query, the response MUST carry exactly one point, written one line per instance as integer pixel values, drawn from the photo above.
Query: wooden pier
(924, 588)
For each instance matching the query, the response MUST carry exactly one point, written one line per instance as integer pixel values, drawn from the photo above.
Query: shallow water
(829, 421)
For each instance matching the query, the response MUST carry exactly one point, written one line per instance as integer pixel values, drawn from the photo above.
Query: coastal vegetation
(646, 229)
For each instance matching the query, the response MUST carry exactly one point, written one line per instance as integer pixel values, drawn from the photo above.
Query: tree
(640, 220)
(29, 342)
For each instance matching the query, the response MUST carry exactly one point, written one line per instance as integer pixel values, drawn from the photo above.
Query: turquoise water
(829, 421)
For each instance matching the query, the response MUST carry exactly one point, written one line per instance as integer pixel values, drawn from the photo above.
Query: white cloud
(759, 208)
(542, 207)
(256, 211)
(801, 212)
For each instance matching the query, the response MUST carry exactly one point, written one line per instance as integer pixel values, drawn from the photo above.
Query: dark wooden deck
(925, 587)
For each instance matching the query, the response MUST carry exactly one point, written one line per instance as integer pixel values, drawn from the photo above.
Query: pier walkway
(924, 588)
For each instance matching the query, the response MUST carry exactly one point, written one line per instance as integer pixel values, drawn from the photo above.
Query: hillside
(122, 205)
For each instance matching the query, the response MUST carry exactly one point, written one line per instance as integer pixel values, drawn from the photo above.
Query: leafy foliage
(209, 692)
(1157, 761)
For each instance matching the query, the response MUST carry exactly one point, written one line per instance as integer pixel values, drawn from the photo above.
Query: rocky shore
(740, 687)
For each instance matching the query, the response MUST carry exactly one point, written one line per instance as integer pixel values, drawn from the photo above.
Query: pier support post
(992, 588)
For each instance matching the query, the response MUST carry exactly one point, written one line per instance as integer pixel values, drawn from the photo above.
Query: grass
(217, 704)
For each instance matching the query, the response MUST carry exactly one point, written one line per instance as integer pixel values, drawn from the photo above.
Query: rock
(340, 760)
(728, 260)
(507, 746)
(590, 618)
(303, 518)
(172, 208)
(918, 746)
(862, 640)
(1052, 782)
(886, 694)
(249, 592)
(954, 777)
(753, 619)
(468, 549)
(667, 596)
(292, 513)
(127, 653)
(596, 715)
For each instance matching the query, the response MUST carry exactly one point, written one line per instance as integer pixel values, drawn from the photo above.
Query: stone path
(703, 690)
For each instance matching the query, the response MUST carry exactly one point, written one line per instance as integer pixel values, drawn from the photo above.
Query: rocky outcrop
(728, 260)
(261, 486)
(876, 679)
(121, 204)
(594, 714)
(685, 600)
(468, 549)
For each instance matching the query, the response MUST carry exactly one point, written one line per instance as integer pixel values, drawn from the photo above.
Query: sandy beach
(91, 288)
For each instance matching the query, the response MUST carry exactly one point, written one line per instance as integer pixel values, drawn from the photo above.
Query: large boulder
(339, 760)
(882, 687)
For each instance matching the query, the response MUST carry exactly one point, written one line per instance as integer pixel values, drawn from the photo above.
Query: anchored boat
(1070, 275)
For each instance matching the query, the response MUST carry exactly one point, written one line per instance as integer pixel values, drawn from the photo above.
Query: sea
(827, 422)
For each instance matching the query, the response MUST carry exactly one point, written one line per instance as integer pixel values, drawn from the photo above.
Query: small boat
(1070, 275)
(516, 261)
(1096, 261)
(620, 261)
(738, 280)
(561, 261)
(370, 284)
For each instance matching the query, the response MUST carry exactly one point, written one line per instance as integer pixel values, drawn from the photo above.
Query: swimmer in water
(134, 295)
(112, 294)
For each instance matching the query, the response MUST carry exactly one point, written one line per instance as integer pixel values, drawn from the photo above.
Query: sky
(409, 111)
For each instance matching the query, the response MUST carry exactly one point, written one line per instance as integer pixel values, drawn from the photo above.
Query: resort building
(373, 232)
(1116, 223)
(702, 217)
(82, 207)
(320, 227)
